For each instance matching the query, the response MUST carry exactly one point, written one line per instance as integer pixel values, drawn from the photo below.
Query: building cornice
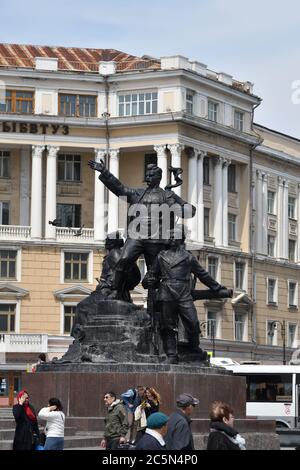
(278, 155)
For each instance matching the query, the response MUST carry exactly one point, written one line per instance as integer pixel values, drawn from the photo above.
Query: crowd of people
(133, 421)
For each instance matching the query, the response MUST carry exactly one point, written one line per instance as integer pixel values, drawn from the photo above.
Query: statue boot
(169, 339)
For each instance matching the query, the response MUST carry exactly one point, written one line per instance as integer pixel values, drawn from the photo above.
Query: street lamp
(211, 324)
(271, 333)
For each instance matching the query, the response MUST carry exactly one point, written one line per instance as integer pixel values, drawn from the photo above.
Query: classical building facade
(60, 107)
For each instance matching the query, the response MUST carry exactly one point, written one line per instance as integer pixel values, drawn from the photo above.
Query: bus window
(269, 388)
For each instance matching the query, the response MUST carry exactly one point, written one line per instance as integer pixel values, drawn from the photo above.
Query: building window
(293, 294)
(76, 266)
(138, 104)
(232, 227)
(239, 120)
(213, 264)
(206, 223)
(150, 158)
(20, 102)
(7, 318)
(271, 333)
(213, 111)
(4, 164)
(292, 335)
(189, 101)
(69, 316)
(77, 105)
(68, 215)
(4, 213)
(272, 291)
(206, 170)
(271, 245)
(292, 250)
(212, 324)
(292, 207)
(68, 167)
(239, 326)
(271, 202)
(232, 178)
(240, 275)
(8, 260)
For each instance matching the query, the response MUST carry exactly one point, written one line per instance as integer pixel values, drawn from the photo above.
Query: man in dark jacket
(116, 422)
(153, 439)
(179, 435)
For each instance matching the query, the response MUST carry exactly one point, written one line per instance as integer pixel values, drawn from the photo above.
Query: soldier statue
(148, 235)
(171, 274)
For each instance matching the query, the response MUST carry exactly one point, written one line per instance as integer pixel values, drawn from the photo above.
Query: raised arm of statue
(110, 181)
(97, 166)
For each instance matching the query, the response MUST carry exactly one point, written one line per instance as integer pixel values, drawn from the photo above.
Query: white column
(113, 203)
(24, 187)
(50, 210)
(99, 201)
(218, 201)
(200, 203)
(259, 213)
(285, 224)
(280, 218)
(176, 150)
(264, 228)
(36, 191)
(162, 162)
(226, 163)
(192, 193)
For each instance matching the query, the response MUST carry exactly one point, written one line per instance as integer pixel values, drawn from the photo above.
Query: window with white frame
(189, 101)
(68, 167)
(292, 208)
(240, 326)
(212, 324)
(213, 111)
(271, 333)
(239, 120)
(272, 291)
(271, 245)
(68, 215)
(271, 202)
(8, 264)
(213, 266)
(7, 318)
(4, 213)
(232, 228)
(292, 250)
(4, 163)
(206, 222)
(232, 178)
(293, 293)
(69, 316)
(206, 170)
(76, 266)
(292, 335)
(240, 275)
(134, 104)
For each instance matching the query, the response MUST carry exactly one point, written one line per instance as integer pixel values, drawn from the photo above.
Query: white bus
(273, 392)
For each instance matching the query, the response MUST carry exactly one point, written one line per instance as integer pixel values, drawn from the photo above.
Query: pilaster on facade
(218, 201)
(50, 209)
(285, 225)
(99, 200)
(113, 202)
(298, 229)
(225, 166)
(176, 150)
(264, 213)
(261, 212)
(36, 191)
(162, 162)
(200, 195)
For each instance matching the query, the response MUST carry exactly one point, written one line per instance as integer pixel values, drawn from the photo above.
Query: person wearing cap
(171, 273)
(179, 435)
(153, 439)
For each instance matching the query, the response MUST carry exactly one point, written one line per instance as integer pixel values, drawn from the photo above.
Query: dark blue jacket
(179, 435)
(148, 442)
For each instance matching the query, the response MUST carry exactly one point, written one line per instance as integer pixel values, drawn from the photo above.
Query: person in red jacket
(27, 432)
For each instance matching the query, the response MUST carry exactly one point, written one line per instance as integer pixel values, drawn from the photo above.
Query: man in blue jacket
(153, 439)
(179, 435)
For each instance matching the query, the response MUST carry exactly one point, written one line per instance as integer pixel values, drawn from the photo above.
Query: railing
(23, 343)
(75, 234)
(14, 232)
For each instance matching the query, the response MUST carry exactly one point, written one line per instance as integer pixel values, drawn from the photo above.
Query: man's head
(153, 175)
(114, 240)
(158, 422)
(141, 390)
(186, 403)
(177, 235)
(109, 398)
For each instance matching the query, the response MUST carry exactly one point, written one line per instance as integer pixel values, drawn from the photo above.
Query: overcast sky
(256, 40)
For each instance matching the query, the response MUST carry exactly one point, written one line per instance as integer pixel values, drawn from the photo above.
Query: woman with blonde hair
(150, 404)
(222, 435)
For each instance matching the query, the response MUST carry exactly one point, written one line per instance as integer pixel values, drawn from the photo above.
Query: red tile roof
(71, 58)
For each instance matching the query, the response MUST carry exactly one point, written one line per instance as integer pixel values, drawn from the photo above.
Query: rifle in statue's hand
(211, 294)
(149, 283)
